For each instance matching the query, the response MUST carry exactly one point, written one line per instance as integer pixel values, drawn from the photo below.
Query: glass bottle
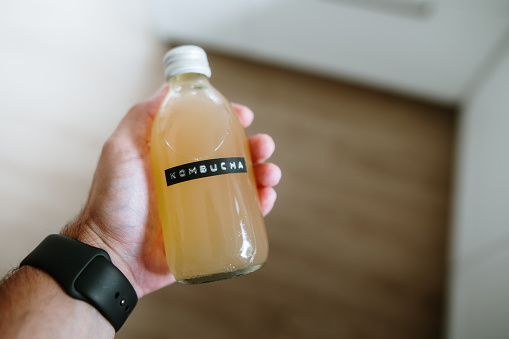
(206, 190)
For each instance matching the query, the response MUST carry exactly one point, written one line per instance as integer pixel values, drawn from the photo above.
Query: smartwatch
(86, 273)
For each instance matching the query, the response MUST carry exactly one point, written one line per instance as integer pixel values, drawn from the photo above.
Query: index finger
(245, 114)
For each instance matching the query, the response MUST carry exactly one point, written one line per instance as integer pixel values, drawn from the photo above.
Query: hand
(121, 214)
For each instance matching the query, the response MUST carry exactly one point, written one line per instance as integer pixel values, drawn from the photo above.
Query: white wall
(69, 71)
(479, 299)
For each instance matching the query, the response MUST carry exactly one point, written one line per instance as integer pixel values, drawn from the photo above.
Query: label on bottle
(205, 168)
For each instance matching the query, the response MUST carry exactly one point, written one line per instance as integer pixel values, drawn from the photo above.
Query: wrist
(83, 231)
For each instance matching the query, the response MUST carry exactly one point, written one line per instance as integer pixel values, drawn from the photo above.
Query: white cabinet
(436, 55)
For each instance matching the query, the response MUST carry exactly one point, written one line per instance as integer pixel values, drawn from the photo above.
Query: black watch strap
(86, 273)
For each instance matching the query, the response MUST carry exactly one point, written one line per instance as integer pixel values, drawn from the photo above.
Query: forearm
(32, 304)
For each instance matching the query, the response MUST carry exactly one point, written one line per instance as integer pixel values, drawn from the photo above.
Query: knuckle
(110, 146)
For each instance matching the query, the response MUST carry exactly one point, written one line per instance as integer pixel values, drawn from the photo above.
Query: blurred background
(391, 123)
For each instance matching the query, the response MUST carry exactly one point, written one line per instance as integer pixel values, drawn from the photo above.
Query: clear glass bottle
(206, 190)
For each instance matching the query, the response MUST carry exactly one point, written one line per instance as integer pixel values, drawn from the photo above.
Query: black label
(205, 168)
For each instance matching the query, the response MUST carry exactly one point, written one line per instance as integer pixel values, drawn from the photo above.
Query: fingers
(262, 147)
(267, 174)
(245, 114)
(267, 199)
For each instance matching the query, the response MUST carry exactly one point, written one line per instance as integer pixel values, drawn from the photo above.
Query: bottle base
(219, 276)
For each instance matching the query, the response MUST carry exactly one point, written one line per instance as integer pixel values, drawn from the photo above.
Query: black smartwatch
(86, 273)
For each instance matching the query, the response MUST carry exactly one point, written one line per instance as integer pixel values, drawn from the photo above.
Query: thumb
(138, 121)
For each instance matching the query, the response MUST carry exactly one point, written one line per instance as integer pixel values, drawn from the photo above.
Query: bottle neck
(188, 78)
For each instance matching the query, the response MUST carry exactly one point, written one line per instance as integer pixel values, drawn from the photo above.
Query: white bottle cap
(186, 59)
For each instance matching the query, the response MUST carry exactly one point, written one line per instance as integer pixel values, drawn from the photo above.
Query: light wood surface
(358, 235)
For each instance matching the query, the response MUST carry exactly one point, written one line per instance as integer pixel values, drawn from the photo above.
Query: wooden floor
(359, 233)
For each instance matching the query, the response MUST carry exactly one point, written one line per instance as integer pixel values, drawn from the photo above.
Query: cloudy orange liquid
(213, 228)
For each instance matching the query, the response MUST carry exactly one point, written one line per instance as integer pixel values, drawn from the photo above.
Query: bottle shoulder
(199, 92)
